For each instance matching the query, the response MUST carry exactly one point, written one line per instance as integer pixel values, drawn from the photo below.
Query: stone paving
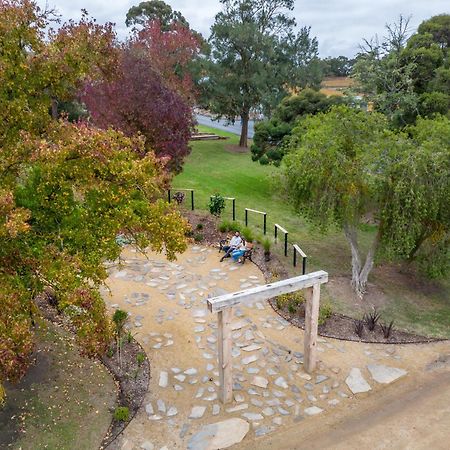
(166, 302)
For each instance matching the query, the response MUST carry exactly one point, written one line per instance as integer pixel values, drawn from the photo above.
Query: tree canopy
(407, 76)
(271, 138)
(346, 167)
(256, 56)
(154, 10)
(66, 190)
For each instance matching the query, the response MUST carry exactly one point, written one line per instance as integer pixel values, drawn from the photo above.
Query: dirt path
(412, 415)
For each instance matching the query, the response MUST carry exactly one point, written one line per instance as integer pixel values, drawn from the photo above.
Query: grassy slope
(63, 401)
(212, 168)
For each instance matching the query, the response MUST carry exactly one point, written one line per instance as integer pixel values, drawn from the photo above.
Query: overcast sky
(339, 25)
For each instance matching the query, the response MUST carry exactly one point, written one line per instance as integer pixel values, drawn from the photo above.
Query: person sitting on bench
(238, 254)
(235, 242)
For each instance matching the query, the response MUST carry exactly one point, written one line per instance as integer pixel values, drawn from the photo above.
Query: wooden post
(311, 324)
(225, 359)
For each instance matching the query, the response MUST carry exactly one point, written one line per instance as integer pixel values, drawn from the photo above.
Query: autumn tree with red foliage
(139, 100)
(67, 191)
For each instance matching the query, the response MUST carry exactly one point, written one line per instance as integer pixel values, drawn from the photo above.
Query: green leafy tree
(154, 10)
(386, 77)
(271, 138)
(339, 66)
(255, 55)
(66, 191)
(347, 166)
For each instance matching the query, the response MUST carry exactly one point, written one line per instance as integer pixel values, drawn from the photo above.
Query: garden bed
(337, 326)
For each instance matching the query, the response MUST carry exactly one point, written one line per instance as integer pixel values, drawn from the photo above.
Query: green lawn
(63, 402)
(213, 167)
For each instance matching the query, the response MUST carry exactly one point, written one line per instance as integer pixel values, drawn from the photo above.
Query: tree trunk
(244, 131)
(360, 274)
(54, 108)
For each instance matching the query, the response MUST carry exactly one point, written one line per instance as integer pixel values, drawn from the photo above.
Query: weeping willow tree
(346, 165)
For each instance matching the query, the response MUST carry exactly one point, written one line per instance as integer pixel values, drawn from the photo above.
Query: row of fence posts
(296, 249)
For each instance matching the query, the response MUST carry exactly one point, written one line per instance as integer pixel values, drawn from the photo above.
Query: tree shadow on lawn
(64, 400)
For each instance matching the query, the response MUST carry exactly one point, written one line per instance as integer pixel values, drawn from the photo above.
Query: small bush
(140, 358)
(290, 301)
(216, 205)
(387, 329)
(359, 327)
(129, 337)
(371, 319)
(119, 318)
(198, 237)
(266, 245)
(325, 312)
(228, 225)
(264, 160)
(247, 234)
(122, 414)
(199, 226)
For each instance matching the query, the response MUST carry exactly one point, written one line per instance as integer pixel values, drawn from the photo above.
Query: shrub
(119, 318)
(359, 327)
(325, 312)
(266, 245)
(228, 225)
(290, 301)
(216, 205)
(198, 237)
(371, 319)
(199, 226)
(387, 329)
(140, 358)
(264, 160)
(247, 234)
(122, 414)
(129, 337)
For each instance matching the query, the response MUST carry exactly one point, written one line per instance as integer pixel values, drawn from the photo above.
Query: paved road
(221, 125)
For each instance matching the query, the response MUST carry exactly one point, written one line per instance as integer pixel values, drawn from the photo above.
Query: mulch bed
(132, 378)
(338, 326)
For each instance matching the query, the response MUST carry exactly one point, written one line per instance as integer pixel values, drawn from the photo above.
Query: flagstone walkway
(168, 316)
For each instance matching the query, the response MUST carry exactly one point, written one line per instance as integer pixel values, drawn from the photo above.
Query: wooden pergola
(223, 306)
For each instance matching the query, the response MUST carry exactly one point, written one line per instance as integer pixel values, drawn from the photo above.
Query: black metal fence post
(246, 217)
(192, 199)
(265, 223)
(285, 244)
(304, 266)
(169, 195)
(276, 232)
(234, 209)
(295, 258)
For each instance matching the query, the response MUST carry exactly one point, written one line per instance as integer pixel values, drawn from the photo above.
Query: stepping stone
(161, 405)
(219, 435)
(238, 325)
(147, 445)
(249, 359)
(321, 378)
(191, 371)
(356, 382)
(268, 411)
(197, 412)
(149, 409)
(172, 411)
(281, 382)
(180, 377)
(163, 379)
(385, 374)
(253, 416)
(215, 409)
(313, 410)
(260, 382)
(237, 408)
(251, 348)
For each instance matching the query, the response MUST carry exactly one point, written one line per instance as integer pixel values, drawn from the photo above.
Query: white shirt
(235, 241)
